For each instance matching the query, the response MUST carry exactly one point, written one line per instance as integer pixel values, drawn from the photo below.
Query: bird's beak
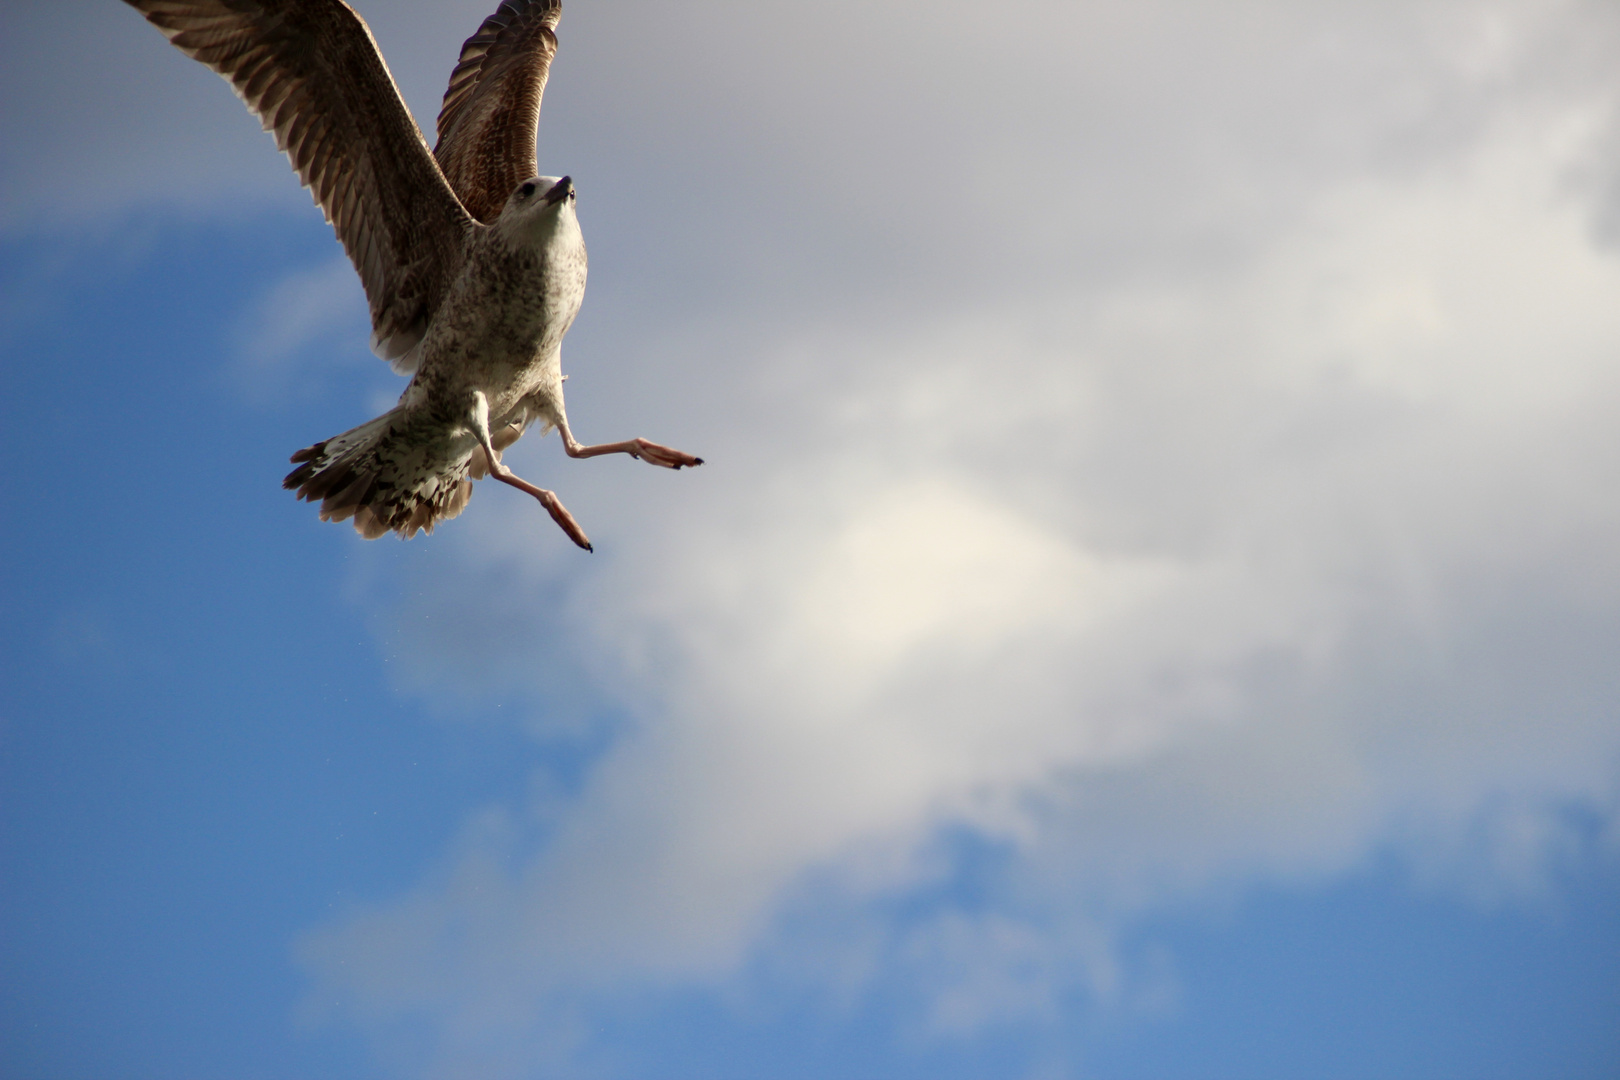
(559, 191)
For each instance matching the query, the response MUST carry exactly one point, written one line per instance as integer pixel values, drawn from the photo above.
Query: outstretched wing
(311, 72)
(486, 126)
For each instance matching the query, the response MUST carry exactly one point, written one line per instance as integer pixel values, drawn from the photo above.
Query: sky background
(1151, 609)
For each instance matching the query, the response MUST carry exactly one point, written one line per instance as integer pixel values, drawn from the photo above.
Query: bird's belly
(507, 352)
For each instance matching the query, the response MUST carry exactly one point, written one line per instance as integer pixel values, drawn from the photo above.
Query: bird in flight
(474, 267)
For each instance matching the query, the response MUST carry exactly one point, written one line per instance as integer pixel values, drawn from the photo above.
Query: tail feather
(398, 473)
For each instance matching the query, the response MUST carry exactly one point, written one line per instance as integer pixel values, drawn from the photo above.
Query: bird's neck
(539, 234)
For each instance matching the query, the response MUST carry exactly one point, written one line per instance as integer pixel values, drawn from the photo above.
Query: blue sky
(1150, 611)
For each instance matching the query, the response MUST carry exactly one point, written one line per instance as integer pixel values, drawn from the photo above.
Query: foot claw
(559, 513)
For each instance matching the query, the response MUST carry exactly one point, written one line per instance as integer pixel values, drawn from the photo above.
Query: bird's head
(539, 206)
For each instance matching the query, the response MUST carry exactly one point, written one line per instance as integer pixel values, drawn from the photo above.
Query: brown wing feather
(311, 72)
(490, 111)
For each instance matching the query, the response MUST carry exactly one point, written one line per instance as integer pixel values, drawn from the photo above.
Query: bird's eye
(527, 189)
(572, 195)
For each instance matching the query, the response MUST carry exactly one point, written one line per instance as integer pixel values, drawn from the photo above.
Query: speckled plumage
(474, 267)
(498, 330)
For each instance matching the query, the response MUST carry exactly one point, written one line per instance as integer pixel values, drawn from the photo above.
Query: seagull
(474, 267)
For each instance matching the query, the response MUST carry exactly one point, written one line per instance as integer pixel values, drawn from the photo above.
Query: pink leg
(650, 452)
(559, 513)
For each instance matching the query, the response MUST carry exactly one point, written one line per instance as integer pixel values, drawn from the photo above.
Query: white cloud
(1161, 585)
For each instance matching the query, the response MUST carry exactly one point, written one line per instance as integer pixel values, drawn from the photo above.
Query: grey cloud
(1249, 573)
